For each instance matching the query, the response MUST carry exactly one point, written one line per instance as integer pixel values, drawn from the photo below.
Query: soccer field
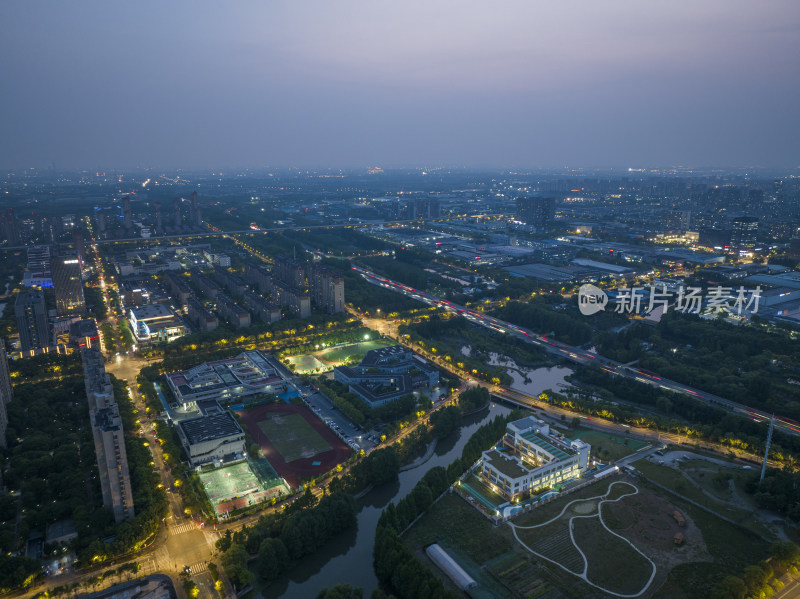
(293, 436)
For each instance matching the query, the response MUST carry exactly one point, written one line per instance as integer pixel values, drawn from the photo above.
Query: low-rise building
(267, 311)
(387, 374)
(232, 312)
(155, 323)
(531, 458)
(247, 374)
(202, 318)
(212, 438)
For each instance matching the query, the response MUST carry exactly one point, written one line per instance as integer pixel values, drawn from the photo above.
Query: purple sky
(337, 83)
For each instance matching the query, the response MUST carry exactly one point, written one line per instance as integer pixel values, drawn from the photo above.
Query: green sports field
(293, 436)
(325, 360)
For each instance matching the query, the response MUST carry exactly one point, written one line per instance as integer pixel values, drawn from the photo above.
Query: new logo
(591, 299)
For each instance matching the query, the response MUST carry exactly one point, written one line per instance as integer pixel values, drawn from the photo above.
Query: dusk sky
(416, 83)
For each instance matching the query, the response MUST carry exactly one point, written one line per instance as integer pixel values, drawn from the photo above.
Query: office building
(743, 235)
(31, 313)
(6, 392)
(532, 458)
(538, 211)
(68, 286)
(109, 437)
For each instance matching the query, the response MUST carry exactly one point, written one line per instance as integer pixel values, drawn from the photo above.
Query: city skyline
(519, 85)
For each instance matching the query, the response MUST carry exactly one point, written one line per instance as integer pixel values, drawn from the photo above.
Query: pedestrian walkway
(182, 528)
(198, 568)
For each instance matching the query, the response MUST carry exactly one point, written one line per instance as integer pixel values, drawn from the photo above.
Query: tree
(234, 560)
(273, 558)
(341, 591)
(445, 421)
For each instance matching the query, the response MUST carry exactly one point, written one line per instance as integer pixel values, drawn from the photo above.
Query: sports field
(294, 440)
(292, 436)
(326, 359)
(241, 484)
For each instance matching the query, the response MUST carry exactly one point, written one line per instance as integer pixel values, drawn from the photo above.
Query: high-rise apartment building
(6, 393)
(68, 286)
(327, 288)
(31, 313)
(423, 208)
(101, 222)
(109, 436)
(743, 235)
(538, 211)
(195, 218)
(159, 220)
(127, 215)
(8, 227)
(176, 213)
(289, 271)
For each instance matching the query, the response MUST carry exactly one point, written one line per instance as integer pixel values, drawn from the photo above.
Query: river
(348, 557)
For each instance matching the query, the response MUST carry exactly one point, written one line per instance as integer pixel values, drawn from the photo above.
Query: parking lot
(337, 422)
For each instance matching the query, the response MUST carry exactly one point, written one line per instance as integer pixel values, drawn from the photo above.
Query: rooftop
(507, 465)
(209, 428)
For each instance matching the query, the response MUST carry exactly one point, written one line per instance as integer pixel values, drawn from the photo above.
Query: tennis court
(238, 480)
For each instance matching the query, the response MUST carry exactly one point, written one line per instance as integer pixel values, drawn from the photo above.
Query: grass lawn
(464, 533)
(325, 359)
(674, 480)
(733, 548)
(293, 437)
(609, 555)
(549, 511)
(336, 355)
(610, 447)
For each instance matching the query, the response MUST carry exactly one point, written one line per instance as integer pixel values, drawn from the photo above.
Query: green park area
(533, 563)
(293, 436)
(606, 446)
(326, 359)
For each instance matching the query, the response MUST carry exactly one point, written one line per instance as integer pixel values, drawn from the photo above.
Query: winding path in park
(583, 575)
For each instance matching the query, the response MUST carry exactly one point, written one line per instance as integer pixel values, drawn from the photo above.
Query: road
(580, 356)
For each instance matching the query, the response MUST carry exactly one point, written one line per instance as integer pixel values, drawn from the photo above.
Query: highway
(580, 356)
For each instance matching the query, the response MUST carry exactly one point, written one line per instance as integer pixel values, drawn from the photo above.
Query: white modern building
(155, 323)
(249, 373)
(530, 457)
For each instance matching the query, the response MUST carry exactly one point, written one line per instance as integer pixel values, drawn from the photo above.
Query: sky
(342, 84)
